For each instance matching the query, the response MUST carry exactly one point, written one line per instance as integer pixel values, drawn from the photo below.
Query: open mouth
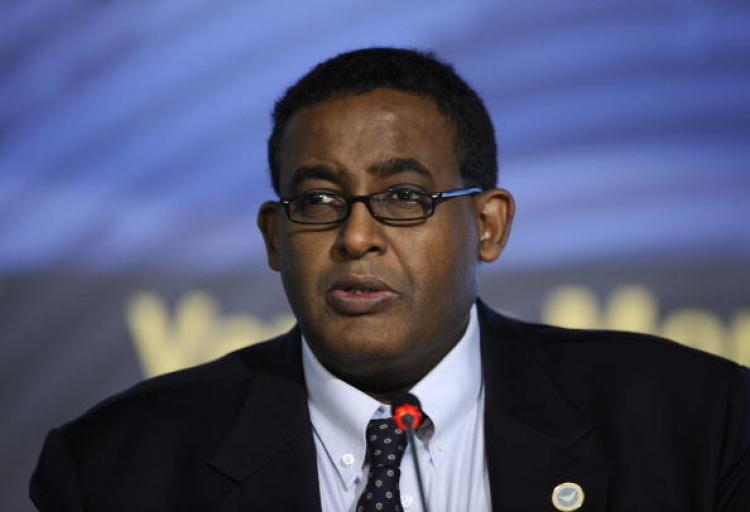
(360, 291)
(360, 295)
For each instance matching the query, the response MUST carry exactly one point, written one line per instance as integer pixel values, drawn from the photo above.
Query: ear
(268, 223)
(495, 210)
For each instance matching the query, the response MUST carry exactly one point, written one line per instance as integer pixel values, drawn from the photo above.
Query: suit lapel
(535, 438)
(269, 454)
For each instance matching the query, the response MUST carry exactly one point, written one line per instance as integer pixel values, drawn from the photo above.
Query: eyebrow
(388, 167)
(311, 172)
(393, 166)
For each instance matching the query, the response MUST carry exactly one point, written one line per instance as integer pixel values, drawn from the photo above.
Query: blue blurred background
(132, 161)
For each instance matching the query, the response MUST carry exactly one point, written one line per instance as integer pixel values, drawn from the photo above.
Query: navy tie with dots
(385, 446)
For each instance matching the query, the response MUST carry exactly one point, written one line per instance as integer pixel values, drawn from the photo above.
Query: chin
(363, 349)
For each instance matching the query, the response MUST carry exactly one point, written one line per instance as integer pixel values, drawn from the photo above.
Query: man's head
(381, 302)
(404, 70)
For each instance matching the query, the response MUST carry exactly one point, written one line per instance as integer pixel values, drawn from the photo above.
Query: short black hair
(407, 70)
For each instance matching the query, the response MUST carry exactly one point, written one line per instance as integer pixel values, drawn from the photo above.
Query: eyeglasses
(397, 204)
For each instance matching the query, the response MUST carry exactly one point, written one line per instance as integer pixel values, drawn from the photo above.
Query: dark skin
(360, 144)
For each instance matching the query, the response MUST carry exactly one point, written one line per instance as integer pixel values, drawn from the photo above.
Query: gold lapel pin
(568, 496)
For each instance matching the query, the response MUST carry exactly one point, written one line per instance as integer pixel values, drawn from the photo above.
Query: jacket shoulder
(632, 351)
(600, 349)
(159, 434)
(167, 409)
(617, 376)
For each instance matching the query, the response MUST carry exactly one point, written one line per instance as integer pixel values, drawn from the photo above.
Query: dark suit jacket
(640, 423)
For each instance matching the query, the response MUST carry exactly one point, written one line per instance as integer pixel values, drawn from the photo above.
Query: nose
(361, 233)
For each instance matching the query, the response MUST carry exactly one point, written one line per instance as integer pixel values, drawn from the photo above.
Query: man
(385, 163)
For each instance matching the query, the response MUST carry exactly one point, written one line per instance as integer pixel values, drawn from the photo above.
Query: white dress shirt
(450, 445)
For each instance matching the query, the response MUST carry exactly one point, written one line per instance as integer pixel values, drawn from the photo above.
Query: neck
(389, 379)
(387, 398)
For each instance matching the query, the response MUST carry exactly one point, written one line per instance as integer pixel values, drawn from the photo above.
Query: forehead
(351, 134)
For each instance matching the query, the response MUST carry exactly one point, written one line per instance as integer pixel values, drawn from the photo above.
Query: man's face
(379, 304)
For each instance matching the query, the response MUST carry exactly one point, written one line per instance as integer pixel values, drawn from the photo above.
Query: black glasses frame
(434, 197)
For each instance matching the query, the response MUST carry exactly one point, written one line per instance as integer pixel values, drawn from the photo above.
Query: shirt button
(406, 501)
(347, 459)
(440, 445)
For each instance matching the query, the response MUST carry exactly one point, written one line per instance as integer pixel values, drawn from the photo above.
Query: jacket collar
(535, 438)
(269, 453)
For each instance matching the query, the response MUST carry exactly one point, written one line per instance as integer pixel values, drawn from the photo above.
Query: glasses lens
(317, 207)
(401, 204)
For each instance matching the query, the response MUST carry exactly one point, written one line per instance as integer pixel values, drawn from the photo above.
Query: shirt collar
(453, 385)
(340, 412)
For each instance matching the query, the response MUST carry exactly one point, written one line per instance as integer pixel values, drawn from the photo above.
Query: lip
(360, 295)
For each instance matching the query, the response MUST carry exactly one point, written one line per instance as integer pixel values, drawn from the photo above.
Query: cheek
(441, 260)
(302, 259)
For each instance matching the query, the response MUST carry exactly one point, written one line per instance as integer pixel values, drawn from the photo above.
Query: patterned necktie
(385, 446)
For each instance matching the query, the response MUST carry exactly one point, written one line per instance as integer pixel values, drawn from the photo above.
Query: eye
(317, 206)
(404, 194)
(317, 197)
